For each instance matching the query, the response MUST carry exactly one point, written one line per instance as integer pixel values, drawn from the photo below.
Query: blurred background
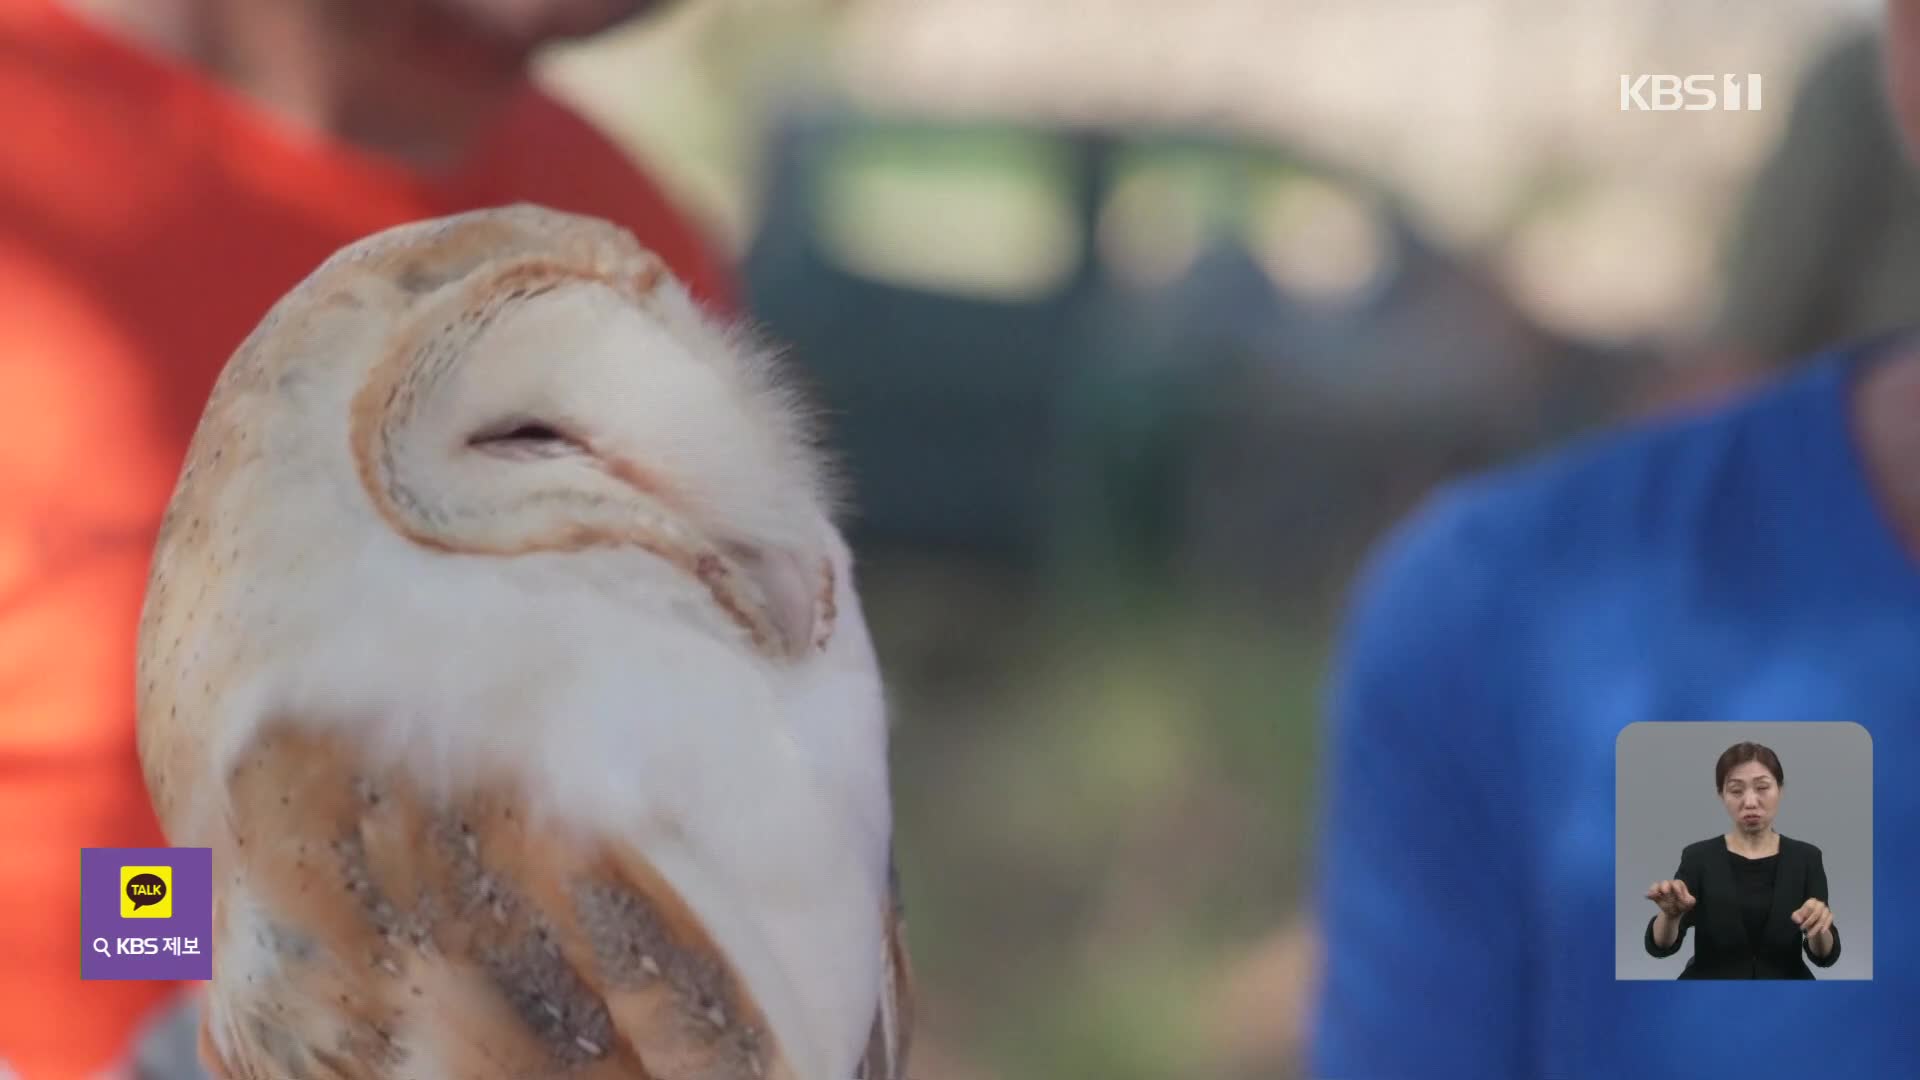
(1139, 322)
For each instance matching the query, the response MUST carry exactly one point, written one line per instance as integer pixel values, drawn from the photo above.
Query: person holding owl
(172, 168)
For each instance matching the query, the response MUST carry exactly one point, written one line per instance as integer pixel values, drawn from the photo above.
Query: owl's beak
(798, 592)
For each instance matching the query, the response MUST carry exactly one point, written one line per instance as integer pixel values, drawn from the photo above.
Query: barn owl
(500, 643)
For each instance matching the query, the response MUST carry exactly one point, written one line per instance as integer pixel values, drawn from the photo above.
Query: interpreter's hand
(1813, 917)
(1673, 897)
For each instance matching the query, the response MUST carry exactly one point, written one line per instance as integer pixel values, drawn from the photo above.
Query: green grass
(1096, 814)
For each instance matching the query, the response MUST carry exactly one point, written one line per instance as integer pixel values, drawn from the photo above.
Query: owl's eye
(523, 436)
(529, 433)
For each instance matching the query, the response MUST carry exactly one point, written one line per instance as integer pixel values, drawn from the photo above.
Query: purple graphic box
(146, 913)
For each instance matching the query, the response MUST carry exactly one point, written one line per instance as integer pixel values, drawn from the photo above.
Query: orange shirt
(148, 218)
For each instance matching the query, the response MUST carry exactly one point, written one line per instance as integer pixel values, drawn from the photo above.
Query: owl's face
(520, 383)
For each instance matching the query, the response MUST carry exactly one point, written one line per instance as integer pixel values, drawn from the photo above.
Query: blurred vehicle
(1103, 347)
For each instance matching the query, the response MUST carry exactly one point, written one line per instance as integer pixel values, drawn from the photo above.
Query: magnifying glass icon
(100, 946)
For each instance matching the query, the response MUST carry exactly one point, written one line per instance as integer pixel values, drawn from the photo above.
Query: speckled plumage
(501, 645)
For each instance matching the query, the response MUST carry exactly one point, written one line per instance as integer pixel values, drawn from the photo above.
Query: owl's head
(519, 381)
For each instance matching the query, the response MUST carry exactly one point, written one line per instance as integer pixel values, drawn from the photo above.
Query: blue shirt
(1727, 565)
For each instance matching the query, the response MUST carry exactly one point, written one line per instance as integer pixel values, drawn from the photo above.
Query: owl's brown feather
(887, 1047)
(407, 922)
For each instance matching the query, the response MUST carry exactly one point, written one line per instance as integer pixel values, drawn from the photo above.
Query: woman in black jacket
(1758, 899)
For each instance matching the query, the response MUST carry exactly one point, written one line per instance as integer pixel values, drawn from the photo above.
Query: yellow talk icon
(146, 892)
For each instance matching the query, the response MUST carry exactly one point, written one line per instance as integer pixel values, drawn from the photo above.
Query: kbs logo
(1691, 93)
(161, 927)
